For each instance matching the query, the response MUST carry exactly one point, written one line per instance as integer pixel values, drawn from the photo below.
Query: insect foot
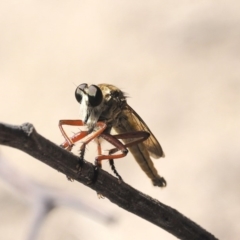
(160, 182)
(95, 174)
(111, 162)
(79, 164)
(68, 148)
(81, 157)
(120, 181)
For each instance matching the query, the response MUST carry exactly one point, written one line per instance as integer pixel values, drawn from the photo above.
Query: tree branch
(26, 138)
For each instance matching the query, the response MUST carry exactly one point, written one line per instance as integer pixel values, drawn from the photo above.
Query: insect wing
(134, 122)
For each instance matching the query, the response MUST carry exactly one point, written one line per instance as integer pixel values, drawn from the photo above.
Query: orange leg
(68, 144)
(84, 136)
(76, 137)
(115, 142)
(99, 164)
(119, 146)
(140, 134)
(99, 147)
(113, 139)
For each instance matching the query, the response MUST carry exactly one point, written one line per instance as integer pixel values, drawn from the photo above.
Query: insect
(104, 107)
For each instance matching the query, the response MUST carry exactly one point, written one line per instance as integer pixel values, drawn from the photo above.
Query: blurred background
(178, 61)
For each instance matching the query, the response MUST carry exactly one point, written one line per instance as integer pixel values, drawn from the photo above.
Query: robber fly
(104, 107)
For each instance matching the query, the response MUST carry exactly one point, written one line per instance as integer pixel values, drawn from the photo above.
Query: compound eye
(79, 91)
(94, 95)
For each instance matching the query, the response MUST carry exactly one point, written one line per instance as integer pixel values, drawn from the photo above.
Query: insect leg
(95, 134)
(141, 155)
(76, 137)
(83, 136)
(142, 135)
(111, 162)
(97, 165)
(69, 142)
(119, 146)
(115, 142)
(87, 138)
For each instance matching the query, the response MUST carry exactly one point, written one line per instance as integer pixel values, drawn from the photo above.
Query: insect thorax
(113, 105)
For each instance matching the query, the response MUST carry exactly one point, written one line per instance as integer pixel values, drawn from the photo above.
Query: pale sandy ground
(179, 62)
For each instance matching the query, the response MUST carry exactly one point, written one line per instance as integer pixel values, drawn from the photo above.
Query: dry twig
(26, 138)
